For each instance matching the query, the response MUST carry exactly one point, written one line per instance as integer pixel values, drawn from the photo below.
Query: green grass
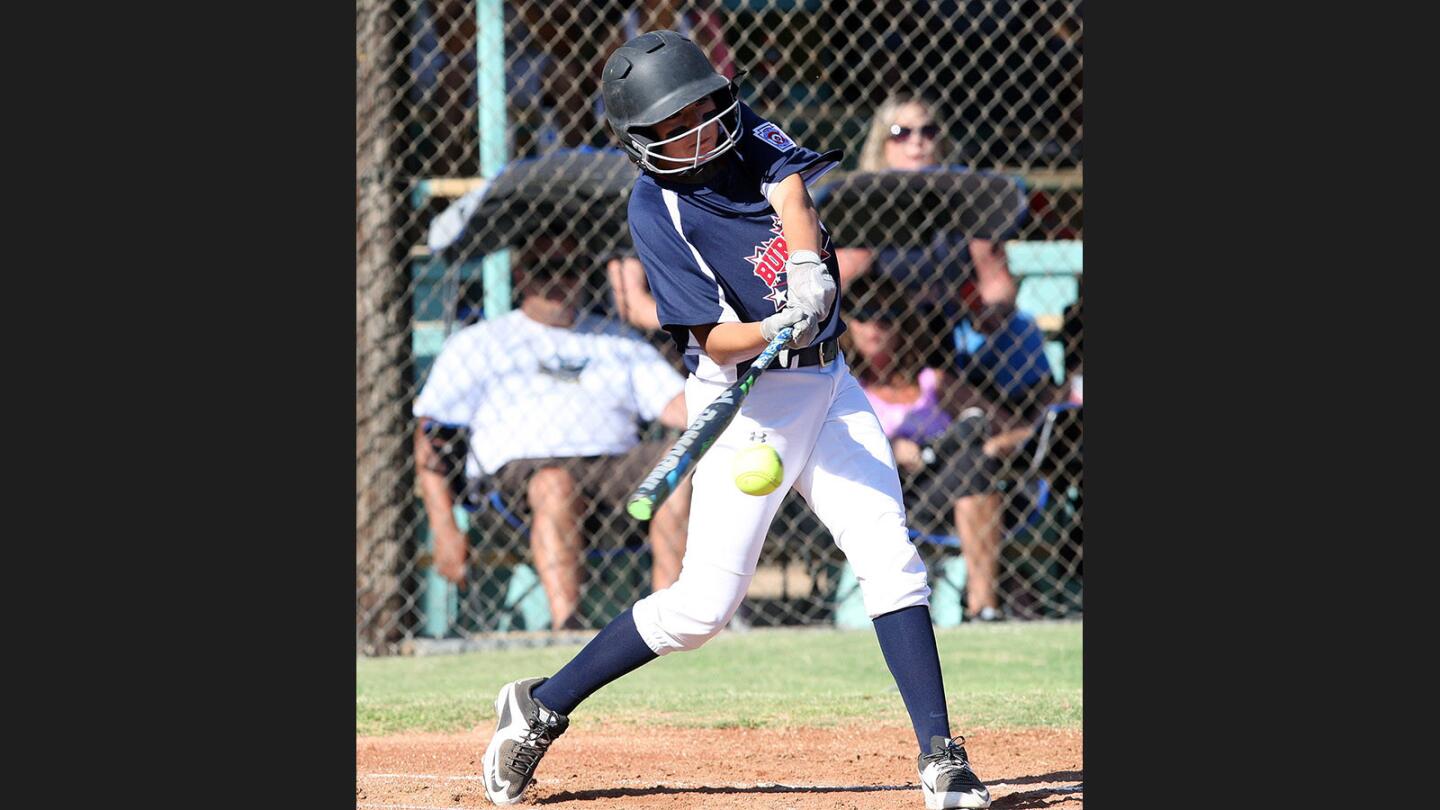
(1012, 675)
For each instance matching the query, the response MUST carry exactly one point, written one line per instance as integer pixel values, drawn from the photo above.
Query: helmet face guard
(653, 77)
(647, 153)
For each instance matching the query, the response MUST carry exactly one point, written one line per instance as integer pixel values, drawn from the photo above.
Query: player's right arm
(434, 470)
(685, 296)
(728, 343)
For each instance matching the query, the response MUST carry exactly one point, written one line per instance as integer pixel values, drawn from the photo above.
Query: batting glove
(809, 286)
(804, 326)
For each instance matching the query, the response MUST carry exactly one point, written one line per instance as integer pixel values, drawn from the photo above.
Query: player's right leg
(946, 780)
(852, 484)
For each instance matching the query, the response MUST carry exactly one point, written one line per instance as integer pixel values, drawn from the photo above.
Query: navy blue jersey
(714, 252)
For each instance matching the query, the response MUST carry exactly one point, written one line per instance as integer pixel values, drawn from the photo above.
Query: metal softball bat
(698, 437)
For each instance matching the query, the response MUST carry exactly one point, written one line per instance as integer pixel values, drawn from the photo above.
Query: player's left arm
(810, 287)
(799, 219)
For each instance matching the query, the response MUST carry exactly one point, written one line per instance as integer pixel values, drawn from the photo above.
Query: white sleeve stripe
(672, 203)
(809, 174)
(707, 369)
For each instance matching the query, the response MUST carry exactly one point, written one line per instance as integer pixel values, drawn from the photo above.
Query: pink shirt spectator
(918, 420)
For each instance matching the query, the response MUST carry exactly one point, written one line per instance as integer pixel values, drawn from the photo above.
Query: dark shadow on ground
(1020, 800)
(1040, 797)
(1056, 776)
(662, 790)
(1030, 799)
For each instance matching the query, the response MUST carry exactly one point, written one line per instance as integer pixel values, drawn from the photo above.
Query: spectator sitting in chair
(946, 446)
(552, 398)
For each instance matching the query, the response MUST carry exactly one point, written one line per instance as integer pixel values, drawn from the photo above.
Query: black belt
(821, 354)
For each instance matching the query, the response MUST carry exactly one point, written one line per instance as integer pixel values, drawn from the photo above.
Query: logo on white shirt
(564, 368)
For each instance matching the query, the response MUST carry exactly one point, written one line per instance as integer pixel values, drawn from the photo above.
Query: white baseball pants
(835, 455)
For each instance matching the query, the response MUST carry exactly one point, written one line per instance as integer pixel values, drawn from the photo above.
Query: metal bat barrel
(698, 437)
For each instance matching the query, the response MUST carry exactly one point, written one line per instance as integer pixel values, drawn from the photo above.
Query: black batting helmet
(655, 76)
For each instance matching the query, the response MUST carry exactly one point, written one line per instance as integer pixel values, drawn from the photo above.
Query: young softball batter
(733, 250)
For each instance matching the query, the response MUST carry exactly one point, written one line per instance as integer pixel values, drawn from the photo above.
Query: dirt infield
(618, 766)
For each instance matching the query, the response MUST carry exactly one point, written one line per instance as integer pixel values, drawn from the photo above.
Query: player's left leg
(852, 484)
(667, 537)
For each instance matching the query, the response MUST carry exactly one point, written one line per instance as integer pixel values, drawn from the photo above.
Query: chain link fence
(464, 103)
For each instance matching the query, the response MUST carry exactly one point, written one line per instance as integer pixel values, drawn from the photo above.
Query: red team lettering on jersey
(769, 263)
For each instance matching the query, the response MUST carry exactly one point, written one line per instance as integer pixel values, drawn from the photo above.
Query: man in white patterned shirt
(551, 398)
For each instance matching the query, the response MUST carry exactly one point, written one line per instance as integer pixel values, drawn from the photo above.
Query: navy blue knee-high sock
(908, 641)
(616, 650)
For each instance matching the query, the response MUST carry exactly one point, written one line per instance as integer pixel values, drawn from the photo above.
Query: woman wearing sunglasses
(906, 135)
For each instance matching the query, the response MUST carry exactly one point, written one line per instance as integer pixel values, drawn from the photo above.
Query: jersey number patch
(771, 134)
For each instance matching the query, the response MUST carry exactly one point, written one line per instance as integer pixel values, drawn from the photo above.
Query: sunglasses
(552, 268)
(873, 314)
(901, 134)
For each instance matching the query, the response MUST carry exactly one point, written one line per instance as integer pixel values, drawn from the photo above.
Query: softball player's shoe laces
(946, 778)
(523, 732)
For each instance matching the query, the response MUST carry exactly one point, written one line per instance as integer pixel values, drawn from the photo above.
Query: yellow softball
(757, 470)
